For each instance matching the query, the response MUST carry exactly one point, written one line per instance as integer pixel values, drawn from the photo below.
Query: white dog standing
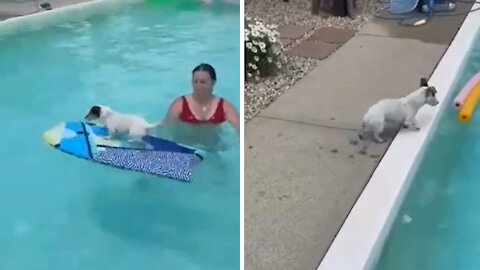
(133, 126)
(401, 111)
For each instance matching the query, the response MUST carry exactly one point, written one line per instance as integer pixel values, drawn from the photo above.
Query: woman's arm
(173, 111)
(232, 116)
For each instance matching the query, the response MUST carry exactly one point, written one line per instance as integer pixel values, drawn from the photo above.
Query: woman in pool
(202, 111)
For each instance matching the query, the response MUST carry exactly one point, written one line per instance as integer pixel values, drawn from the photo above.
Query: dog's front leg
(411, 124)
(111, 134)
(410, 121)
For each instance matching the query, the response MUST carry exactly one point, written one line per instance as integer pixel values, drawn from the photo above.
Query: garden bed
(260, 93)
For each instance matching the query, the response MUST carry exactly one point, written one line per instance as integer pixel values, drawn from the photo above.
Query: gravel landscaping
(259, 94)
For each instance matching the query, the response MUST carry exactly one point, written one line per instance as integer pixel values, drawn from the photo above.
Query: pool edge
(359, 240)
(44, 18)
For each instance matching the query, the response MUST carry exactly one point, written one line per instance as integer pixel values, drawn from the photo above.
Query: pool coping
(358, 244)
(71, 12)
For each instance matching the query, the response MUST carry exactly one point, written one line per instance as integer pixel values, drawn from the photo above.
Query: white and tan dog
(400, 111)
(135, 127)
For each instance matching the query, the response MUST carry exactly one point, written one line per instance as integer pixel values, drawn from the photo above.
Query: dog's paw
(412, 127)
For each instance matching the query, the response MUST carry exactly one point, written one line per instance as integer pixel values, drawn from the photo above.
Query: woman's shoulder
(177, 102)
(220, 98)
(181, 98)
(226, 103)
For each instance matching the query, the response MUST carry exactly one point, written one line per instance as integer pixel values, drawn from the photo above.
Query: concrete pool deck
(17, 8)
(302, 176)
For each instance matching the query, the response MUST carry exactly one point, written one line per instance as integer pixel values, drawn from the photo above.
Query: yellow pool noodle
(465, 113)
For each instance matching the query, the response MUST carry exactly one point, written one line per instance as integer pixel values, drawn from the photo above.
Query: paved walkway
(320, 44)
(302, 172)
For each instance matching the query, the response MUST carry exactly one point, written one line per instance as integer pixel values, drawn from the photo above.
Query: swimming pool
(61, 212)
(437, 226)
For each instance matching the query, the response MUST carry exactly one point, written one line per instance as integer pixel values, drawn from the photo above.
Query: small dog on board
(135, 127)
(397, 111)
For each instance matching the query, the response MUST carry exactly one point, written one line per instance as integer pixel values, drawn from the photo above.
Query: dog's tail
(155, 124)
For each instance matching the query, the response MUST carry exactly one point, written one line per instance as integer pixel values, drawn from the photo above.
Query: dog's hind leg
(139, 143)
(377, 130)
(361, 132)
(363, 135)
(377, 137)
(364, 144)
(135, 138)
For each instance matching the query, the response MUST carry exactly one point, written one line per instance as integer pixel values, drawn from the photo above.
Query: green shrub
(262, 49)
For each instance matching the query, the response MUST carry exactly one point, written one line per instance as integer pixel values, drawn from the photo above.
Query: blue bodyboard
(155, 156)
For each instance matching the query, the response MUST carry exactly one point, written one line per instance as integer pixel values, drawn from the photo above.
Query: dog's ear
(430, 91)
(95, 110)
(423, 82)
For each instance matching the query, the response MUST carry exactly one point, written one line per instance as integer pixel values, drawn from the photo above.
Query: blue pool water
(444, 197)
(59, 212)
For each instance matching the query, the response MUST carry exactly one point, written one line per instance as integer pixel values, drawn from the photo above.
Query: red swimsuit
(187, 116)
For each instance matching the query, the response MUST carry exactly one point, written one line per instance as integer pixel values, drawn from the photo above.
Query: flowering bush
(262, 49)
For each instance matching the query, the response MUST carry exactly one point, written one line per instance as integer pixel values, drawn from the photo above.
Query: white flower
(275, 50)
(258, 37)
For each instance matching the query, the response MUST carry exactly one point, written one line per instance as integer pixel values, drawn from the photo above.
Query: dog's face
(97, 112)
(430, 92)
(431, 96)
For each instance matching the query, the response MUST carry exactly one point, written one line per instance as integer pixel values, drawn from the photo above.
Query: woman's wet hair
(208, 68)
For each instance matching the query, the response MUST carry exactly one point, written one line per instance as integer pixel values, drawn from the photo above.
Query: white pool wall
(358, 244)
(72, 12)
